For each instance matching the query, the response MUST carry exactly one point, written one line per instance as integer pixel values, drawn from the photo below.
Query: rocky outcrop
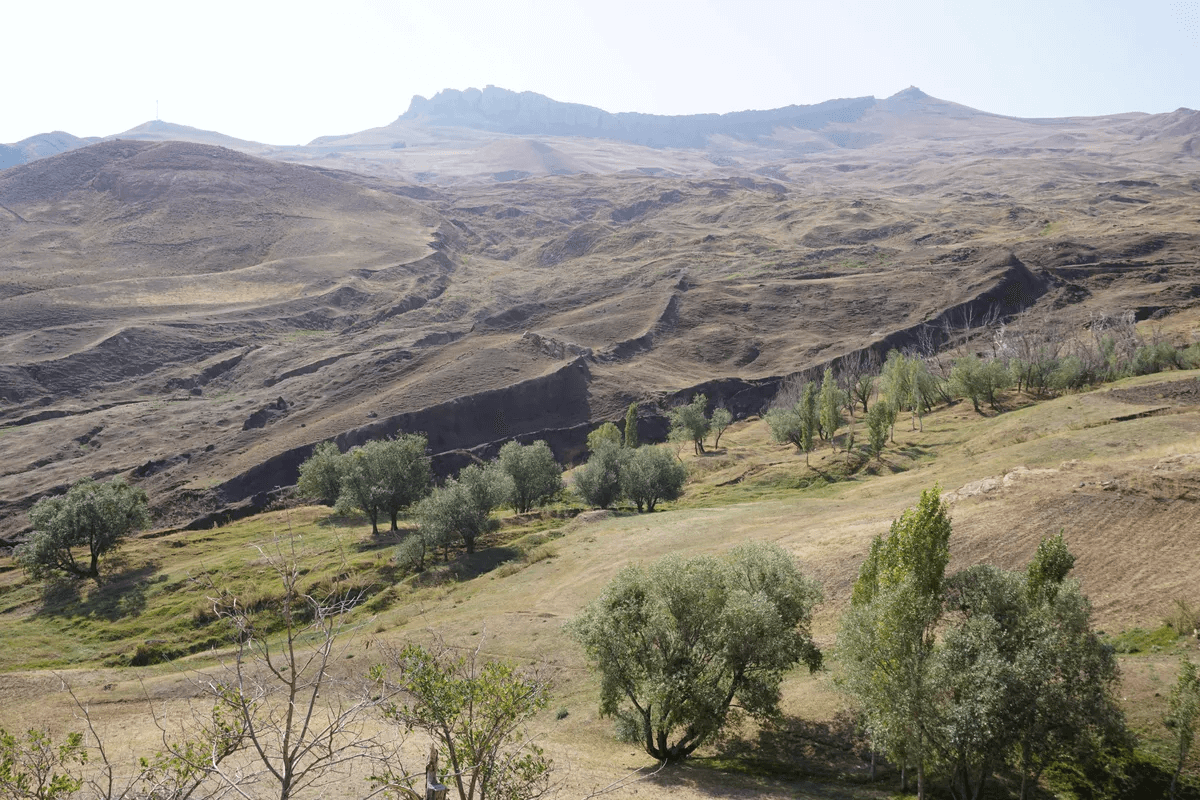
(504, 111)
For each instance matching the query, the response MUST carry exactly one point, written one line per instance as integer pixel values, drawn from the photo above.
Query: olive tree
(598, 481)
(651, 474)
(689, 423)
(463, 507)
(321, 474)
(94, 517)
(385, 477)
(678, 643)
(721, 419)
(533, 473)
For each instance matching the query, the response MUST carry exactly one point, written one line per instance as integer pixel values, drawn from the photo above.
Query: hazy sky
(287, 72)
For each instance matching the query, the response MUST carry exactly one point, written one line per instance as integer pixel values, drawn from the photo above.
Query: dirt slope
(198, 318)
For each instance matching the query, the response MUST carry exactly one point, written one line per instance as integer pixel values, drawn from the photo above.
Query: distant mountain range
(475, 135)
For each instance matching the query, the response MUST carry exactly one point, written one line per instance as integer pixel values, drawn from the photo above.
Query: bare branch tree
(303, 725)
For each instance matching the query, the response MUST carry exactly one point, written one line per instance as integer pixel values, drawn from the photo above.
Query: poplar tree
(830, 406)
(887, 641)
(631, 430)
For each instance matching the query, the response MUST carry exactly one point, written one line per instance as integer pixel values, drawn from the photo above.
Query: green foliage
(631, 429)
(829, 404)
(321, 474)
(1049, 568)
(33, 767)
(1183, 709)
(598, 481)
(720, 420)
(534, 475)
(608, 433)
(463, 507)
(1018, 678)
(1143, 640)
(651, 474)
(1025, 681)
(689, 423)
(676, 644)
(879, 422)
(91, 515)
(411, 552)
(476, 713)
(385, 477)
(886, 640)
(797, 424)
(979, 380)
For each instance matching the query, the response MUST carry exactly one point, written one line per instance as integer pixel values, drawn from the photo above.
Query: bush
(410, 553)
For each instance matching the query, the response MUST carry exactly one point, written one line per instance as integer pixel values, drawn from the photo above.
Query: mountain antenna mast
(156, 117)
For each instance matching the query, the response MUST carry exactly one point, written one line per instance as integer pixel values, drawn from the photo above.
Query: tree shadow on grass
(120, 594)
(818, 758)
(470, 566)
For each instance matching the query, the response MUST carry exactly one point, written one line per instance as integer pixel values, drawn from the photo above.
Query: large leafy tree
(676, 644)
(887, 639)
(463, 507)
(385, 477)
(321, 474)
(91, 517)
(534, 474)
(598, 481)
(652, 474)
(1024, 679)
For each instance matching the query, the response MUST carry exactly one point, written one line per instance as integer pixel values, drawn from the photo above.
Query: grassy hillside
(1118, 470)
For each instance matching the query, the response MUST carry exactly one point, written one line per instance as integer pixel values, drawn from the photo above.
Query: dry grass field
(1122, 487)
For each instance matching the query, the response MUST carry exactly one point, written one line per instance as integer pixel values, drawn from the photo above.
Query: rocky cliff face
(504, 111)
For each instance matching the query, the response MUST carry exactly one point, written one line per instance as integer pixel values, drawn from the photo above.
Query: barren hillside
(198, 317)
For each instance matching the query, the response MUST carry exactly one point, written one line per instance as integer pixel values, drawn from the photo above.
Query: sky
(287, 72)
